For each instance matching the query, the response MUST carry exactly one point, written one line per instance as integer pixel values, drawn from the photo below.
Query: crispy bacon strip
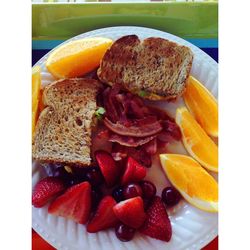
(142, 131)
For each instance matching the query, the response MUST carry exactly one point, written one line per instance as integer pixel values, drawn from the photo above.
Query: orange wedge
(198, 144)
(78, 57)
(202, 105)
(193, 182)
(36, 86)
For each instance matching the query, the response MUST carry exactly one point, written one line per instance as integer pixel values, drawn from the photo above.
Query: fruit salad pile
(109, 195)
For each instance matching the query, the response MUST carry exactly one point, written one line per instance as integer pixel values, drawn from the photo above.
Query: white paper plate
(192, 228)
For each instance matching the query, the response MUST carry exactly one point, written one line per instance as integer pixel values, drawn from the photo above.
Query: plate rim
(35, 225)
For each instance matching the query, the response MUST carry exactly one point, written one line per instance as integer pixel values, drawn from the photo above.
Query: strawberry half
(157, 225)
(131, 212)
(133, 172)
(74, 204)
(104, 217)
(108, 167)
(46, 189)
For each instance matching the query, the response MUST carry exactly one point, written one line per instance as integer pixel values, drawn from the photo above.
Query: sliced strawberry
(108, 167)
(157, 224)
(131, 212)
(104, 217)
(46, 189)
(74, 204)
(133, 172)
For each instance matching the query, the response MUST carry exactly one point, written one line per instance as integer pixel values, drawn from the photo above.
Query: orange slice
(193, 182)
(78, 57)
(202, 105)
(198, 144)
(36, 85)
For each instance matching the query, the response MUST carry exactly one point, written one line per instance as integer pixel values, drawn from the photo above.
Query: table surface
(52, 24)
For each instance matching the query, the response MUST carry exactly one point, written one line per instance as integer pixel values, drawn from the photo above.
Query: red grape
(124, 233)
(170, 196)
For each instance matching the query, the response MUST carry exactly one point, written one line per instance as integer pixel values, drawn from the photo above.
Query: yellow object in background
(36, 86)
(198, 144)
(203, 106)
(78, 57)
(194, 183)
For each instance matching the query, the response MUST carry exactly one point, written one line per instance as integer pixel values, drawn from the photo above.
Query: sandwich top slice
(154, 68)
(63, 130)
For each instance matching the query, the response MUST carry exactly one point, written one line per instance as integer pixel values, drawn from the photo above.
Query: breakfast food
(36, 86)
(157, 224)
(134, 128)
(74, 204)
(63, 132)
(202, 105)
(194, 183)
(198, 144)
(77, 57)
(46, 189)
(170, 196)
(95, 141)
(108, 167)
(133, 172)
(126, 210)
(131, 212)
(154, 68)
(104, 216)
(124, 232)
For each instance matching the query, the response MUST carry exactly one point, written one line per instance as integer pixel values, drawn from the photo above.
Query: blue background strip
(201, 43)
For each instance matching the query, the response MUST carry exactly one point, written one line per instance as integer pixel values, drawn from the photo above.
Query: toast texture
(155, 66)
(63, 130)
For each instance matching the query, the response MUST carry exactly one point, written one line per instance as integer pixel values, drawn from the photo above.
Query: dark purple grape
(146, 204)
(73, 181)
(80, 173)
(67, 175)
(94, 176)
(124, 233)
(62, 173)
(96, 196)
(148, 189)
(118, 194)
(170, 196)
(132, 190)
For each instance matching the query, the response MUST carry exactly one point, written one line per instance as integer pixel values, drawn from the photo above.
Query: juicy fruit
(131, 190)
(133, 172)
(170, 196)
(198, 144)
(148, 189)
(36, 96)
(124, 233)
(202, 105)
(131, 212)
(74, 204)
(157, 224)
(96, 196)
(108, 167)
(94, 177)
(104, 217)
(118, 194)
(78, 57)
(191, 180)
(46, 189)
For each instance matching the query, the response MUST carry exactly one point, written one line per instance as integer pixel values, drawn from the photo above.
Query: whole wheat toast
(63, 130)
(156, 67)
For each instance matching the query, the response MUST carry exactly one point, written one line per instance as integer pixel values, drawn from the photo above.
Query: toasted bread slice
(156, 67)
(63, 131)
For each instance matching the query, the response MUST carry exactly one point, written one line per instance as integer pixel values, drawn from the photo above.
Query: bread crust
(63, 130)
(155, 65)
